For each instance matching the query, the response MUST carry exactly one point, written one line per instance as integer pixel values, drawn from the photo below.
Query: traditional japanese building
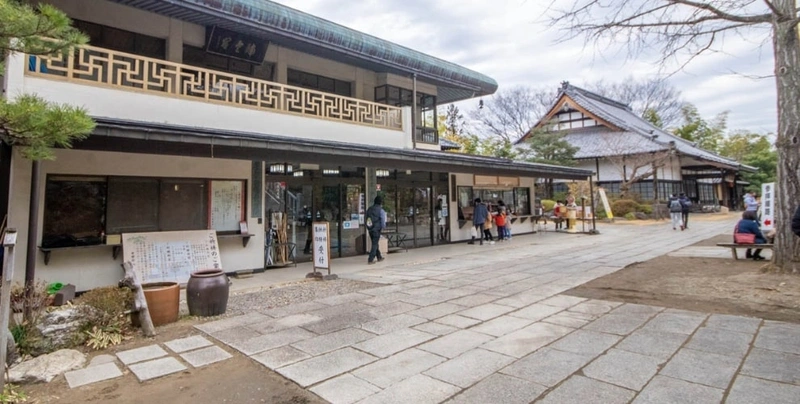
(618, 145)
(219, 114)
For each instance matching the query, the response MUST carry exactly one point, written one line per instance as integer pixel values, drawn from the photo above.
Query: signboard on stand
(171, 256)
(606, 205)
(322, 250)
(768, 206)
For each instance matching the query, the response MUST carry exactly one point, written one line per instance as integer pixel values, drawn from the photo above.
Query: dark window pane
(74, 209)
(183, 205)
(132, 205)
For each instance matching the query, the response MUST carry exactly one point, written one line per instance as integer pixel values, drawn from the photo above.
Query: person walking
(675, 212)
(376, 222)
(479, 216)
(750, 202)
(686, 205)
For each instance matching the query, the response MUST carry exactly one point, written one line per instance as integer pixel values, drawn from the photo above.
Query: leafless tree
(683, 29)
(655, 99)
(511, 113)
(633, 157)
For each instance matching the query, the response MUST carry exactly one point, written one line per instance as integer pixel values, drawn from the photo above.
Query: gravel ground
(295, 292)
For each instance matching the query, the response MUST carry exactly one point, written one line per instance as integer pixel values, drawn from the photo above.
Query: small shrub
(622, 207)
(547, 205)
(646, 209)
(12, 394)
(104, 310)
(27, 337)
(630, 216)
(100, 338)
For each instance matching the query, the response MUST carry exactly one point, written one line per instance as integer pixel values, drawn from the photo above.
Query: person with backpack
(675, 212)
(479, 216)
(686, 205)
(376, 222)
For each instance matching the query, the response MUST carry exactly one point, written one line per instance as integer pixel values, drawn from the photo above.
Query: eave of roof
(304, 32)
(270, 147)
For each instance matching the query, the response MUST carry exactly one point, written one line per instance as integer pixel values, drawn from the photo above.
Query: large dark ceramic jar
(207, 293)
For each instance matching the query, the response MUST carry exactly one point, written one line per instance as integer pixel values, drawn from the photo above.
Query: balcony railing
(128, 72)
(426, 135)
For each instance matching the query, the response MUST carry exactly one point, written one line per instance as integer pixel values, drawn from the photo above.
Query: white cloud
(509, 41)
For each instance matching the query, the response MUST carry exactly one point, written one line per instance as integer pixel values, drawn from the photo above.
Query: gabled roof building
(608, 134)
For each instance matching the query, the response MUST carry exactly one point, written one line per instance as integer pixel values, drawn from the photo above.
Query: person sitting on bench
(749, 225)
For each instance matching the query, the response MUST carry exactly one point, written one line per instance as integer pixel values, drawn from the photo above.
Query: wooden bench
(734, 246)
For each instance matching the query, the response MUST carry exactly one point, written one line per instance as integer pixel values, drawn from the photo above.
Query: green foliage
(549, 147)
(28, 120)
(547, 205)
(646, 209)
(27, 336)
(755, 150)
(102, 338)
(12, 393)
(651, 115)
(630, 216)
(104, 310)
(707, 135)
(622, 207)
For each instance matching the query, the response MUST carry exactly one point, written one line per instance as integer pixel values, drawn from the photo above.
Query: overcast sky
(509, 41)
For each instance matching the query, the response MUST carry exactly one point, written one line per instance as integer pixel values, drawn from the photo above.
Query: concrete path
(472, 324)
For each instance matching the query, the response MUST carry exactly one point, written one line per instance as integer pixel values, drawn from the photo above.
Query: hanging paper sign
(322, 245)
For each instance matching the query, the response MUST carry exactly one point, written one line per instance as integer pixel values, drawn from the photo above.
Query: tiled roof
(600, 141)
(640, 135)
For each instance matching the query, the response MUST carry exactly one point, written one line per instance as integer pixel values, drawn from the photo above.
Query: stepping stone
(141, 354)
(92, 374)
(157, 368)
(205, 356)
(188, 344)
(101, 360)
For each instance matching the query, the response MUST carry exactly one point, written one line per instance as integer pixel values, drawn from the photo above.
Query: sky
(510, 41)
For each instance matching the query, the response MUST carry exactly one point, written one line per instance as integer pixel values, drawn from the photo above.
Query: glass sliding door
(422, 217)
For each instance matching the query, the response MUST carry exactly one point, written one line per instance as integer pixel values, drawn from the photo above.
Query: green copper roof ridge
(289, 20)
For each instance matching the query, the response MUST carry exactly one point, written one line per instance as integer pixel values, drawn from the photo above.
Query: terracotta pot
(163, 299)
(207, 293)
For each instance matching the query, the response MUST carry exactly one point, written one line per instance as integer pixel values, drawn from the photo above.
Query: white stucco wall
(93, 267)
(609, 172)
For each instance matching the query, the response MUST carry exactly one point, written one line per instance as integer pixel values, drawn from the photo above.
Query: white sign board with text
(171, 256)
(768, 206)
(322, 245)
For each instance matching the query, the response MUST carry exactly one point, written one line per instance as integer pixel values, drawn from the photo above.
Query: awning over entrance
(141, 137)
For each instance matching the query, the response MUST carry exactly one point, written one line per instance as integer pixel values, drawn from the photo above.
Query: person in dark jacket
(796, 222)
(686, 205)
(749, 225)
(376, 222)
(479, 216)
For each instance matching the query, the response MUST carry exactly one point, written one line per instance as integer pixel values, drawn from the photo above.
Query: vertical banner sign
(322, 246)
(606, 206)
(768, 206)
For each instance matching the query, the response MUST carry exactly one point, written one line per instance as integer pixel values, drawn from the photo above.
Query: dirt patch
(712, 285)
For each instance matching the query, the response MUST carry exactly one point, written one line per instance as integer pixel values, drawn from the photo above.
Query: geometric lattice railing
(128, 72)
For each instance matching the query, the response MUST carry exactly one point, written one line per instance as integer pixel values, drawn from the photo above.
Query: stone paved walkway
(489, 325)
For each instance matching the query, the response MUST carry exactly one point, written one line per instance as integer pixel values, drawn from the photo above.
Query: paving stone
(547, 366)
(458, 321)
(339, 310)
(101, 360)
(522, 342)
(436, 311)
(280, 357)
(671, 322)
(157, 368)
(500, 389)
(293, 320)
(92, 374)
(537, 311)
(390, 309)
(333, 341)
(741, 324)
(486, 311)
(294, 308)
(394, 323)
(384, 290)
(521, 300)
(563, 301)
(586, 342)
(344, 298)
(631, 308)
(564, 319)
(622, 368)
(398, 367)
(702, 367)
(425, 290)
(319, 368)
(340, 322)
(773, 365)
(452, 345)
(435, 298)
(419, 389)
(473, 300)
(187, 344)
(502, 325)
(435, 328)
(345, 389)
(595, 307)
(582, 390)
(387, 344)
(668, 390)
(724, 342)
(141, 354)
(205, 356)
(212, 327)
(661, 345)
(620, 324)
(781, 337)
(747, 390)
(270, 341)
(380, 300)
(469, 367)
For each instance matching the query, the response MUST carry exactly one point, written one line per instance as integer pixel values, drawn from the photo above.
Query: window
(79, 210)
(316, 82)
(124, 41)
(517, 200)
(522, 197)
(199, 57)
(426, 131)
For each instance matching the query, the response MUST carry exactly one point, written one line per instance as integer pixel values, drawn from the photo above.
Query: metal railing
(426, 135)
(127, 72)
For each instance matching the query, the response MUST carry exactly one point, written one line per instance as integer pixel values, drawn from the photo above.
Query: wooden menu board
(226, 205)
(171, 256)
